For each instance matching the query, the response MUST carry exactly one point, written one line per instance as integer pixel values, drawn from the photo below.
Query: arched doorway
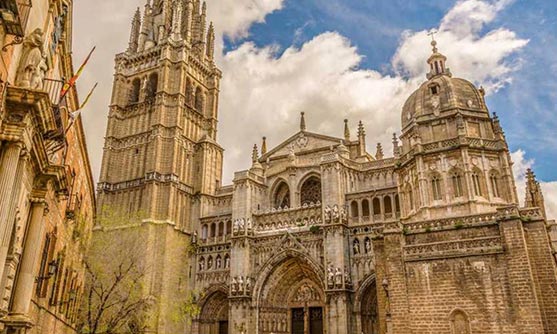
(213, 318)
(368, 309)
(291, 297)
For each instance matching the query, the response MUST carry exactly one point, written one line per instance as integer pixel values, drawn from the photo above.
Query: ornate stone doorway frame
(288, 281)
(213, 318)
(366, 307)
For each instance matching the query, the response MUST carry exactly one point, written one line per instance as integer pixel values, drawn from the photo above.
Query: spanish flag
(68, 85)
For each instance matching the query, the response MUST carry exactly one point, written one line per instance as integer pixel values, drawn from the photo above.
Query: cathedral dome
(442, 93)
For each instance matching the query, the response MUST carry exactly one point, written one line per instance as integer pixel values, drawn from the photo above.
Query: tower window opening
(457, 185)
(354, 209)
(476, 184)
(495, 185)
(436, 188)
(134, 92)
(434, 90)
(282, 196)
(365, 208)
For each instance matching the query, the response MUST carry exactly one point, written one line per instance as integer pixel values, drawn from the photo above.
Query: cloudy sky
(354, 59)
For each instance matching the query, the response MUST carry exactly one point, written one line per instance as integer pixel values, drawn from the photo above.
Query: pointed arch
(457, 183)
(365, 208)
(134, 91)
(280, 197)
(199, 99)
(354, 209)
(310, 189)
(152, 86)
(460, 322)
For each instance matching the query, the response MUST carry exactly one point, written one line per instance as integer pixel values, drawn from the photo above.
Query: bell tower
(160, 147)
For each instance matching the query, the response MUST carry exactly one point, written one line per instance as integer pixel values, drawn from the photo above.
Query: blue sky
(527, 106)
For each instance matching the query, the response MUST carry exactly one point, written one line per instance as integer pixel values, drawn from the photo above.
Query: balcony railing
(15, 14)
(53, 87)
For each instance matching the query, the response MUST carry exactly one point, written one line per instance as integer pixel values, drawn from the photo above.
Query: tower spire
(264, 146)
(210, 48)
(135, 31)
(534, 195)
(346, 131)
(361, 139)
(379, 155)
(437, 60)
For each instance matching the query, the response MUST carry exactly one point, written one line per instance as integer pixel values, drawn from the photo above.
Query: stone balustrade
(282, 219)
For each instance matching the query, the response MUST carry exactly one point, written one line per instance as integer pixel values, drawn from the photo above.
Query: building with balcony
(47, 199)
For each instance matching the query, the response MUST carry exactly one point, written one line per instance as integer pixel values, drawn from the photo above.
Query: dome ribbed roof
(442, 93)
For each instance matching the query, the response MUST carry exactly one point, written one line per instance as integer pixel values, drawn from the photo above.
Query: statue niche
(32, 66)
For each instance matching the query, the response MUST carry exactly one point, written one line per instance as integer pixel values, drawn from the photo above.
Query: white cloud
(549, 189)
(234, 18)
(480, 57)
(265, 91)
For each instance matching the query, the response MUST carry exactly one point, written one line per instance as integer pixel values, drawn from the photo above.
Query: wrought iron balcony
(15, 14)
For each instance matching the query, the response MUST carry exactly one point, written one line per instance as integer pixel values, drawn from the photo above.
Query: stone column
(33, 242)
(8, 173)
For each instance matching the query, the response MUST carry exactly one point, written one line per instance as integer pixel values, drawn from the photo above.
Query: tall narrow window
(282, 196)
(152, 86)
(354, 209)
(199, 100)
(134, 91)
(495, 185)
(476, 182)
(457, 185)
(436, 189)
(365, 208)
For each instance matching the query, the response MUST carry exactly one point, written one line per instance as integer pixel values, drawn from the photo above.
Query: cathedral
(320, 235)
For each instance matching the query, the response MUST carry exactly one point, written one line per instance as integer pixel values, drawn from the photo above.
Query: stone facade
(320, 236)
(47, 201)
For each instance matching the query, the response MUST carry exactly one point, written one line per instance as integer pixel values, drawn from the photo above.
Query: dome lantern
(437, 61)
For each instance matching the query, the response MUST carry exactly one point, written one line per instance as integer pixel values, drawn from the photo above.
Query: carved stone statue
(218, 263)
(367, 245)
(335, 214)
(236, 226)
(234, 285)
(327, 214)
(32, 66)
(330, 277)
(201, 265)
(241, 284)
(338, 278)
(249, 225)
(194, 238)
(248, 285)
(347, 276)
(241, 224)
(356, 247)
(343, 215)
(210, 263)
(226, 262)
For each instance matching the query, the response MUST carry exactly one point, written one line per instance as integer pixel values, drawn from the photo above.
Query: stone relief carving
(305, 293)
(32, 67)
(241, 286)
(335, 214)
